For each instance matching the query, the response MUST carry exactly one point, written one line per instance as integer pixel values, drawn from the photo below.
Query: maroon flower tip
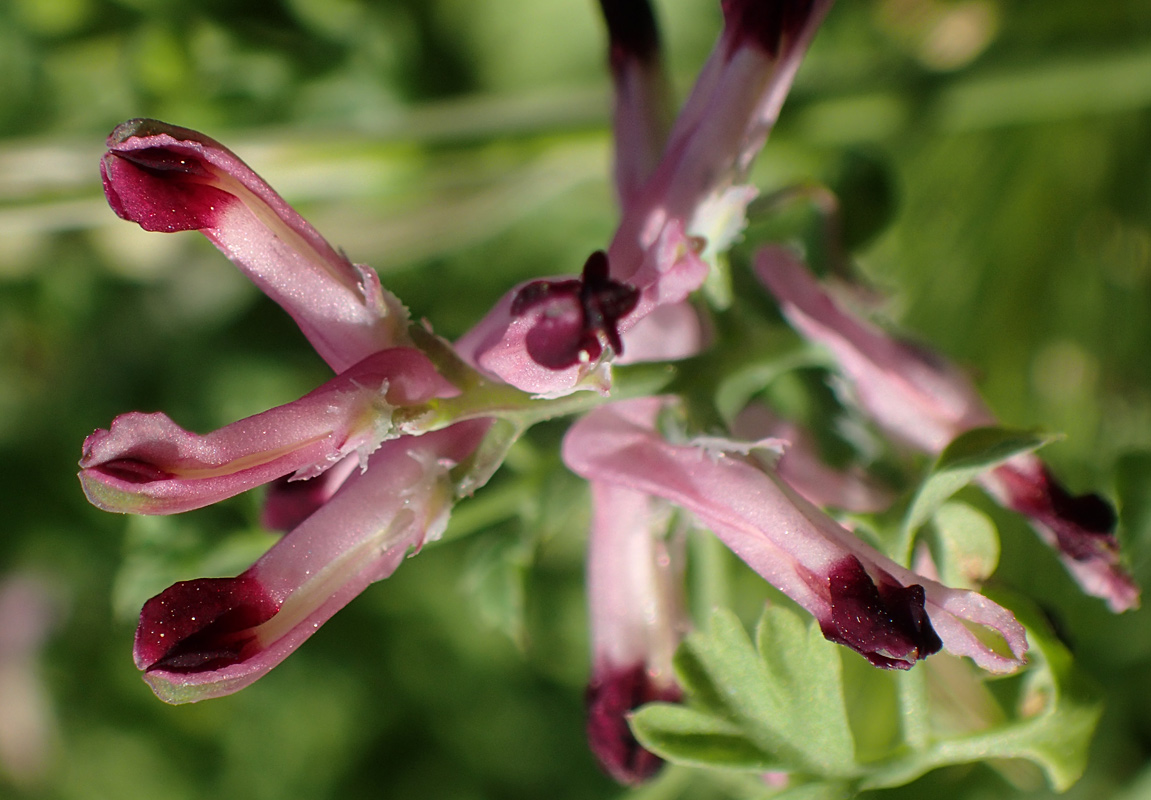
(132, 470)
(165, 187)
(632, 28)
(202, 625)
(610, 698)
(1083, 524)
(769, 24)
(579, 312)
(886, 624)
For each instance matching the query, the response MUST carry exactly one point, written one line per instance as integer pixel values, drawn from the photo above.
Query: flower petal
(1079, 528)
(147, 464)
(501, 345)
(636, 619)
(801, 468)
(912, 394)
(791, 543)
(921, 399)
(643, 113)
(167, 178)
(289, 502)
(213, 636)
(724, 122)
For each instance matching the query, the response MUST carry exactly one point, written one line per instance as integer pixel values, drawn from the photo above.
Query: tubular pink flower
(911, 393)
(636, 617)
(722, 126)
(689, 203)
(861, 599)
(147, 464)
(213, 636)
(924, 401)
(167, 178)
(643, 112)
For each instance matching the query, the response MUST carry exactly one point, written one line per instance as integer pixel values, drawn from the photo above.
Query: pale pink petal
(643, 113)
(213, 636)
(669, 333)
(147, 464)
(724, 122)
(801, 468)
(288, 501)
(636, 620)
(167, 178)
(861, 598)
(912, 394)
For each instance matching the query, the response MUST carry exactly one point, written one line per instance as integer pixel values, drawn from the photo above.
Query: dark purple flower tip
(611, 697)
(632, 29)
(886, 624)
(167, 186)
(202, 625)
(132, 470)
(1083, 524)
(769, 24)
(578, 313)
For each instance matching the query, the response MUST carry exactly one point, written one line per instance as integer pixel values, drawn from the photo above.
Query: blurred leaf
(1133, 487)
(968, 545)
(867, 199)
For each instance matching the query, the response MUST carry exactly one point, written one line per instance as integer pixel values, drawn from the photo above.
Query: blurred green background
(993, 159)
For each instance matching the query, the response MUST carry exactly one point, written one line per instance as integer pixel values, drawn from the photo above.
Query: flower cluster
(365, 469)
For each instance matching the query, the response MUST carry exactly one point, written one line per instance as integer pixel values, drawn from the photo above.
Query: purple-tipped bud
(893, 618)
(147, 464)
(636, 619)
(886, 623)
(213, 636)
(611, 697)
(1079, 527)
(167, 178)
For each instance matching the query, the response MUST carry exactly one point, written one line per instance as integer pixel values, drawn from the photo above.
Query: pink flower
(889, 614)
(636, 615)
(208, 637)
(675, 215)
(167, 178)
(922, 400)
(147, 464)
(213, 636)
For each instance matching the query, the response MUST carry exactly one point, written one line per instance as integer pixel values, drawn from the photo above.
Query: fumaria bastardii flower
(365, 469)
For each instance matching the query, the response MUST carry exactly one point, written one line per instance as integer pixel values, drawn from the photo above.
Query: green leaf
(1133, 487)
(968, 545)
(967, 456)
(777, 704)
(699, 739)
(1051, 726)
